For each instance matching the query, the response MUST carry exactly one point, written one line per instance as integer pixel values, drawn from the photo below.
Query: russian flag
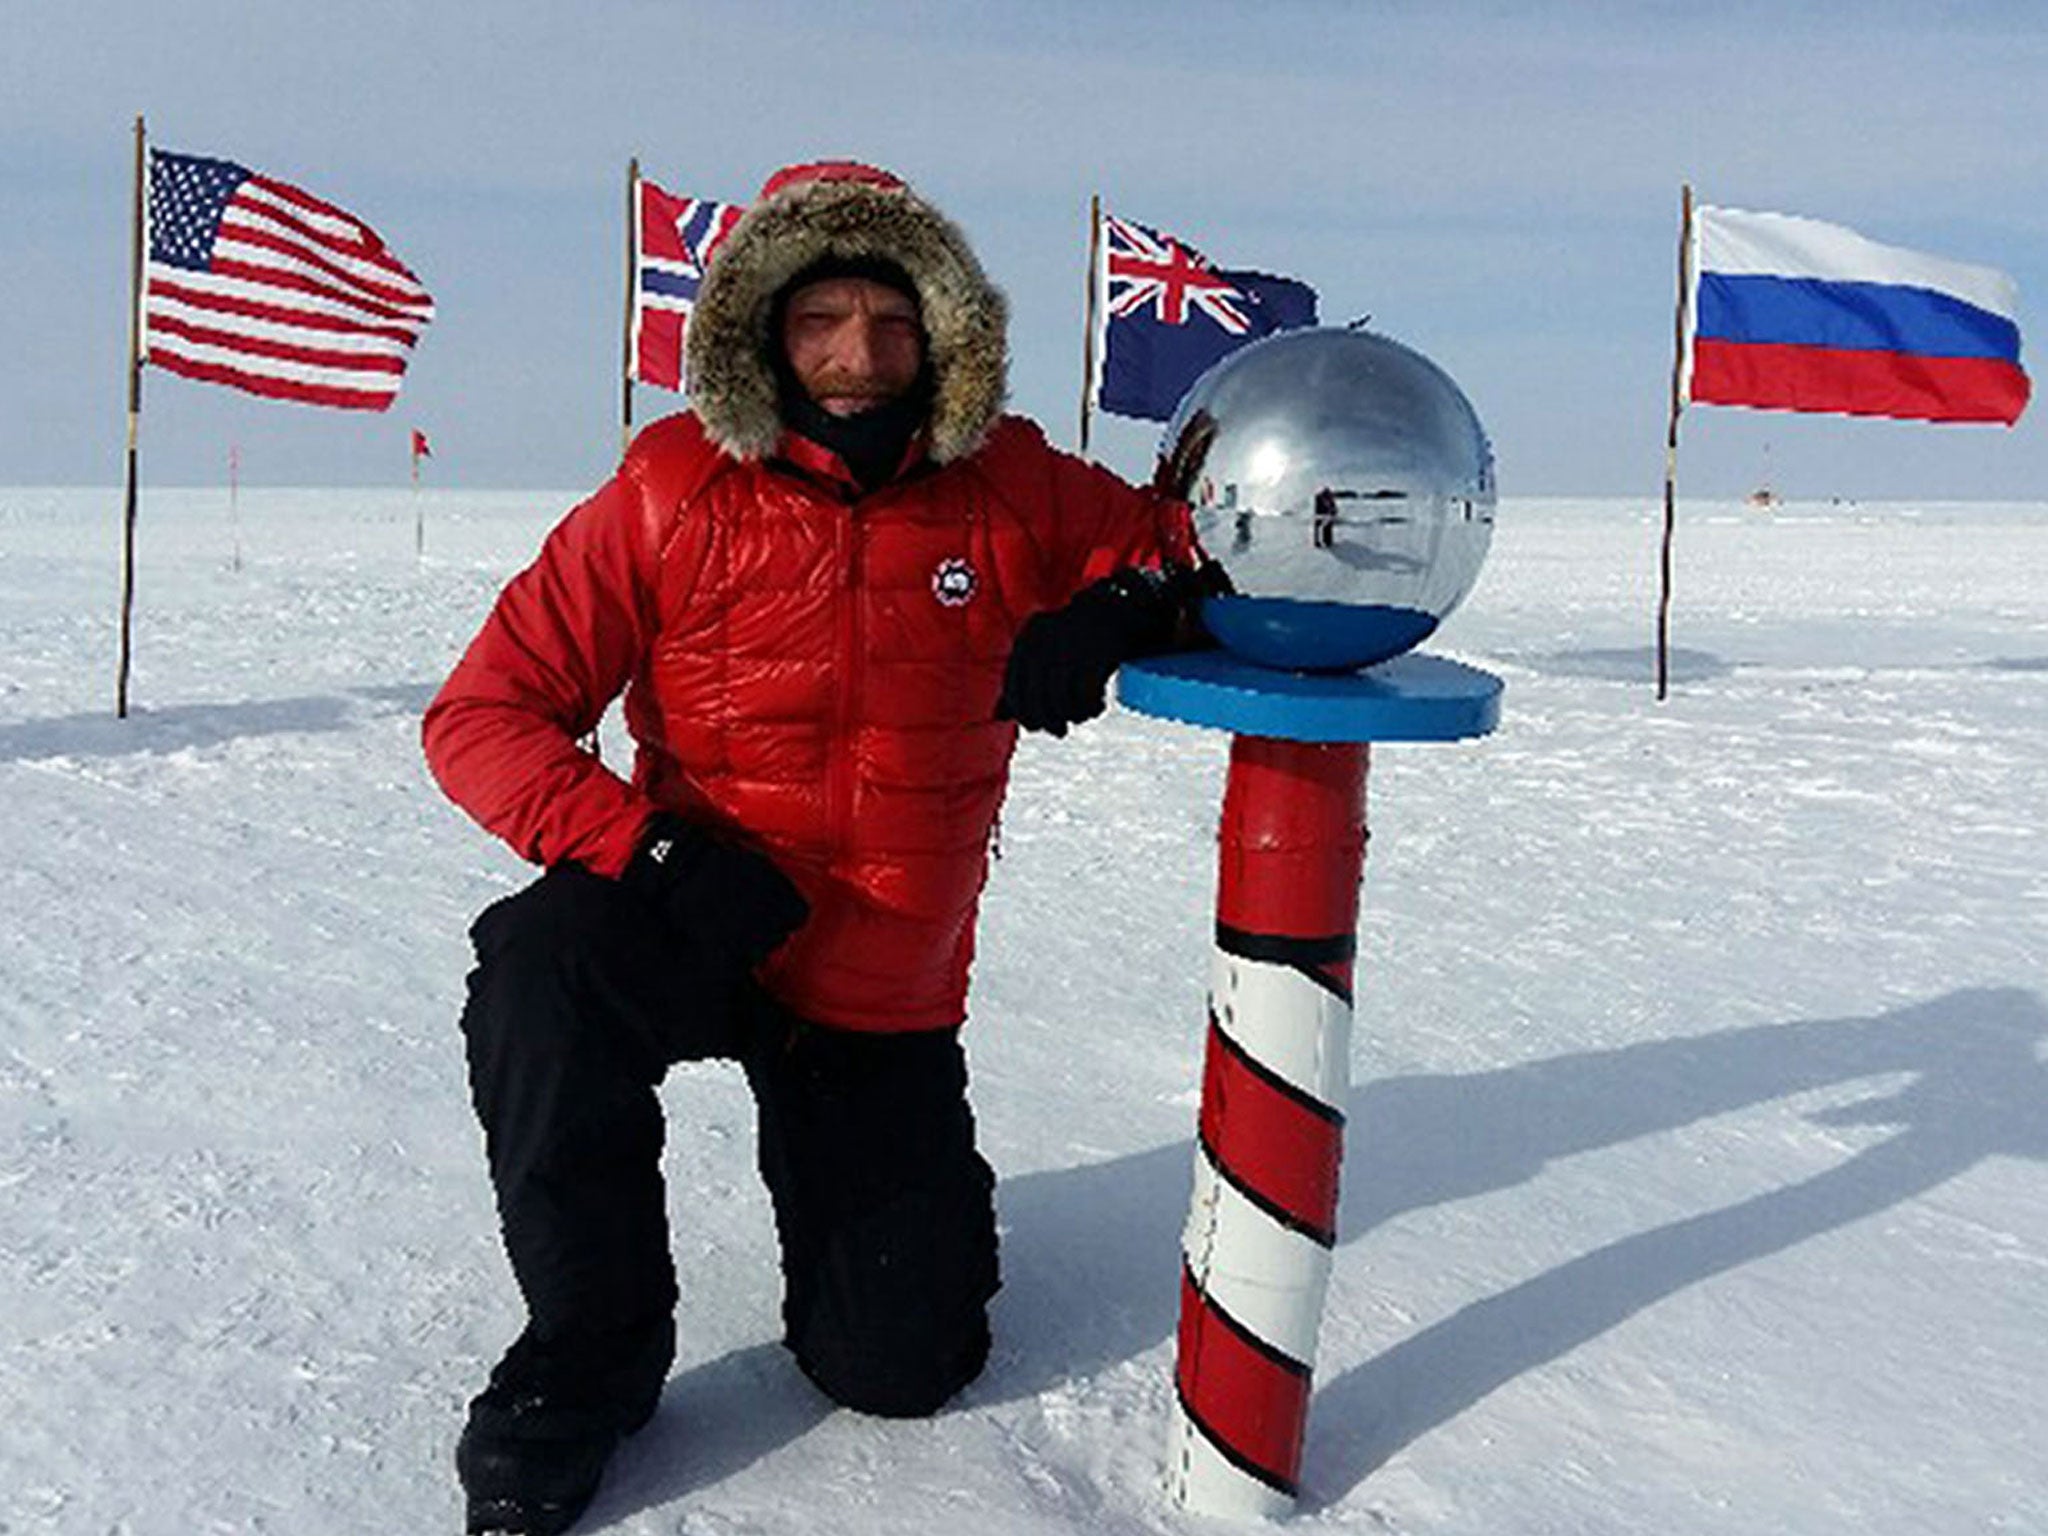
(1792, 314)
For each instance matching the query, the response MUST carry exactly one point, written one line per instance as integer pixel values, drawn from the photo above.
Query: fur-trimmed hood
(806, 213)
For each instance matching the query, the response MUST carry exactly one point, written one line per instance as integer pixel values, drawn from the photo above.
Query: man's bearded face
(852, 343)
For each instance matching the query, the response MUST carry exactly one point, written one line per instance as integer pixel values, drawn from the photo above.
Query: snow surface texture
(1696, 1158)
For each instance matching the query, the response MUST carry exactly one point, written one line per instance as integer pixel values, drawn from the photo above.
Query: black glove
(727, 900)
(1059, 669)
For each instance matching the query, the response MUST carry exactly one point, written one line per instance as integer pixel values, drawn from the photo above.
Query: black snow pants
(580, 1000)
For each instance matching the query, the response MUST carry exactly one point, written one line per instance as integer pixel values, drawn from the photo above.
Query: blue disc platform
(1410, 698)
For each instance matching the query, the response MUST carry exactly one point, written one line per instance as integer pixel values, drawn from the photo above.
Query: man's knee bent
(554, 964)
(892, 1316)
(898, 1377)
(566, 911)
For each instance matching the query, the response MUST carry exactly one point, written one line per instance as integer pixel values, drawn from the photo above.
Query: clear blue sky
(1495, 184)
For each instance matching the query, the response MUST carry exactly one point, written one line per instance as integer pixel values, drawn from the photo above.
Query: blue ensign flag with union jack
(1165, 314)
(675, 238)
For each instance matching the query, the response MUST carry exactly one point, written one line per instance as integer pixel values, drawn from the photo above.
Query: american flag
(258, 285)
(1166, 314)
(677, 236)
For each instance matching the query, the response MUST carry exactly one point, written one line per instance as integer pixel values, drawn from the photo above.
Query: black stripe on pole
(1264, 1348)
(1322, 1237)
(1311, 957)
(1273, 1080)
(1281, 949)
(1232, 1454)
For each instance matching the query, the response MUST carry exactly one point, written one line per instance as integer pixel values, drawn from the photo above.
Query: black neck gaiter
(870, 443)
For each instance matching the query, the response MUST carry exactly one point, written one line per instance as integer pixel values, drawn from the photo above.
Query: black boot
(540, 1434)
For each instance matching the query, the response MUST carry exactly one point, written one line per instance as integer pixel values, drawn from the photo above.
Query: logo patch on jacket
(954, 582)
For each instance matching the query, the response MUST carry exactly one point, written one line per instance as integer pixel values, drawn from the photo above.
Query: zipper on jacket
(840, 764)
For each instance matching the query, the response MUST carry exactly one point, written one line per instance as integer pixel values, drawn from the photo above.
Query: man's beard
(850, 396)
(871, 442)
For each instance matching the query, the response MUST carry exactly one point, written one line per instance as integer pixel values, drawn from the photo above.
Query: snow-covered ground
(1696, 1175)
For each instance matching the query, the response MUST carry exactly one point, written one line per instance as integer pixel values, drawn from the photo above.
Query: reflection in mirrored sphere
(1345, 484)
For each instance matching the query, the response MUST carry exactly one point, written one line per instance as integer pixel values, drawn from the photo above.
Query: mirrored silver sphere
(1346, 486)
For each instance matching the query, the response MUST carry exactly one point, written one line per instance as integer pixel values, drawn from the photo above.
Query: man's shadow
(1090, 1253)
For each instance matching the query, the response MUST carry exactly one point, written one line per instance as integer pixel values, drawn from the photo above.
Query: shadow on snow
(1088, 1251)
(1637, 664)
(186, 727)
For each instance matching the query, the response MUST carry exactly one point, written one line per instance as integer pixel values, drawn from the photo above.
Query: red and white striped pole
(1256, 1250)
(1255, 1256)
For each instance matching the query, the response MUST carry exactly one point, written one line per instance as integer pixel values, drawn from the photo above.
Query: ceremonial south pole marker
(1263, 1221)
(1345, 485)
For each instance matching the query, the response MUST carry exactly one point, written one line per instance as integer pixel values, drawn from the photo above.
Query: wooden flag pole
(626, 342)
(1679, 327)
(1088, 328)
(135, 249)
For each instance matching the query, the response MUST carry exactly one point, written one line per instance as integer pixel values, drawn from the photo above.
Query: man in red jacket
(829, 594)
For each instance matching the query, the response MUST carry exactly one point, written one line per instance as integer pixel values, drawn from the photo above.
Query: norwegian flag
(1166, 313)
(676, 237)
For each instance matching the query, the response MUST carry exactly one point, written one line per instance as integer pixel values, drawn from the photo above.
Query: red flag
(258, 285)
(420, 448)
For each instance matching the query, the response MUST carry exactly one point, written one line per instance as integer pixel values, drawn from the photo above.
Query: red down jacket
(812, 672)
